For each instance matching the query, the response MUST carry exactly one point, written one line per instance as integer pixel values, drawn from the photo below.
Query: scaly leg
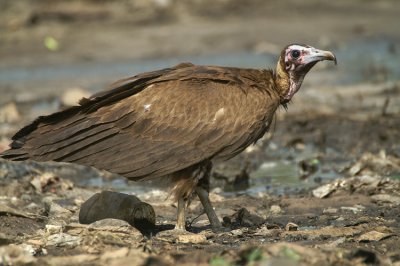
(205, 201)
(181, 221)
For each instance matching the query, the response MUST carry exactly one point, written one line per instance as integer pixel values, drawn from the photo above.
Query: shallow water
(366, 60)
(274, 177)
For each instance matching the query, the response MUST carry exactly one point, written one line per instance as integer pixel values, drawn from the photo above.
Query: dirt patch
(351, 225)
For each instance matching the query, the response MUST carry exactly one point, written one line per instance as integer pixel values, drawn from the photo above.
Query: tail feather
(15, 155)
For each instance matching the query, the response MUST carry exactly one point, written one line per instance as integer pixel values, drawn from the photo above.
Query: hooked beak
(316, 55)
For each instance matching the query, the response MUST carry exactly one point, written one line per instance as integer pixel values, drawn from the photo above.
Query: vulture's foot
(205, 201)
(181, 215)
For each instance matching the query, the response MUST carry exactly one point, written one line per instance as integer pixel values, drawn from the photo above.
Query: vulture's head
(294, 63)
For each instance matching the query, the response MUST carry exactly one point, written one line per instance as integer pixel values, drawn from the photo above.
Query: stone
(325, 190)
(386, 198)
(48, 180)
(191, 238)
(355, 209)
(263, 231)
(113, 225)
(53, 229)
(330, 211)
(291, 227)
(275, 209)
(4, 209)
(214, 197)
(109, 204)
(54, 210)
(237, 232)
(373, 236)
(181, 236)
(63, 240)
(334, 243)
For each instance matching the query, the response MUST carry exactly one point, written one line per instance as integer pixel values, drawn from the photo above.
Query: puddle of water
(283, 177)
(276, 177)
(395, 176)
(271, 173)
(308, 228)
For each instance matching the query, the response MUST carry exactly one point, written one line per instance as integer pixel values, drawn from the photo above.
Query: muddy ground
(322, 188)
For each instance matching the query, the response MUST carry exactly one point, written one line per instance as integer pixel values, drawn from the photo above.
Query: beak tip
(332, 57)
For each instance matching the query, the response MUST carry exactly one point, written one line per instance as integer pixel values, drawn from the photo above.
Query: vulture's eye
(295, 54)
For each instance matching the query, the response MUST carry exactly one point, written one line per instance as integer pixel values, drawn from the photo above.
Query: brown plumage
(172, 122)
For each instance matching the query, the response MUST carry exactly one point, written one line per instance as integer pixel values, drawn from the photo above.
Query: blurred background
(54, 52)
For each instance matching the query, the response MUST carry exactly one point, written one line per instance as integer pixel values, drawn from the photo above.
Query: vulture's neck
(284, 81)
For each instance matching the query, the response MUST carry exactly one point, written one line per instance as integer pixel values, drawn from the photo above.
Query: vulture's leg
(181, 221)
(205, 201)
(202, 189)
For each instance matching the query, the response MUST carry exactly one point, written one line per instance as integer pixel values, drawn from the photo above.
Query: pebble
(330, 211)
(386, 198)
(55, 210)
(109, 222)
(355, 209)
(275, 209)
(63, 240)
(53, 229)
(291, 227)
(78, 201)
(191, 238)
(263, 231)
(26, 197)
(111, 238)
(181, 236)
(35, 242)
(114, 225)
(325, 190)
(216, 198)
(237, 232)
(14, 200)
(334, 243)
(373, 236)
(4, 209)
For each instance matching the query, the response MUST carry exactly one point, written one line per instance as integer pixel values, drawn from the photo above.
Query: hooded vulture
(170, 123)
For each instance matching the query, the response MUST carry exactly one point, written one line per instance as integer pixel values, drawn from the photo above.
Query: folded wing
(156, 123)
